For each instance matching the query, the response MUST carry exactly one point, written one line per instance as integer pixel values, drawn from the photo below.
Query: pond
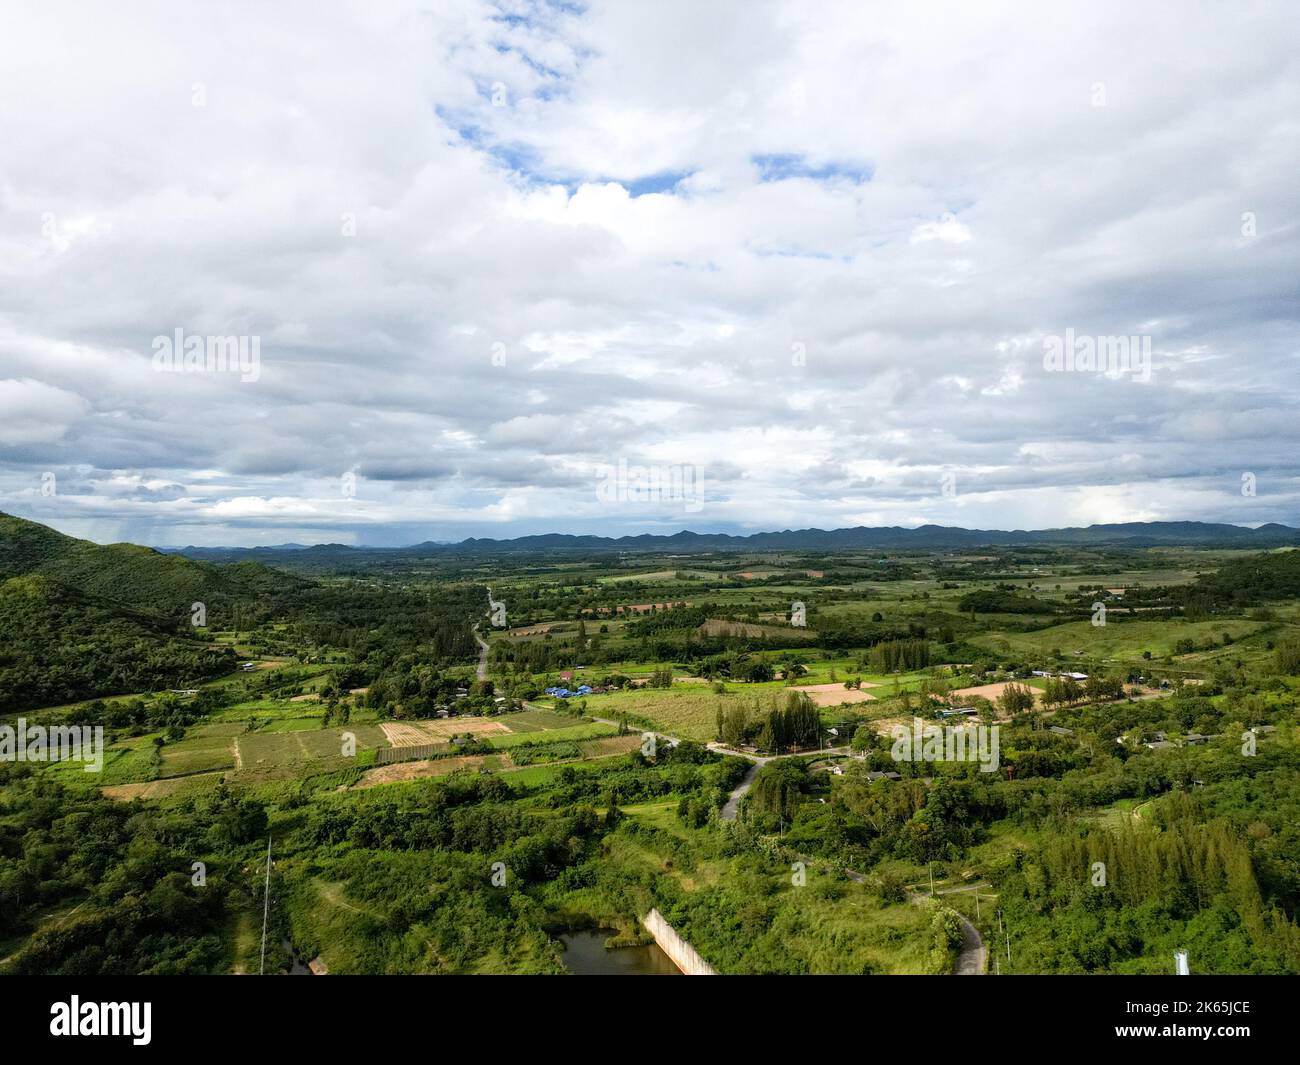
(585, 955)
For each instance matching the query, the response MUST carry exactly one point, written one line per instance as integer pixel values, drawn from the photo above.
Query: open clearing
(835, 694)
(416, 733)
(403, 771)
(537, 721)
(266, 749)
(991, 692)
(162, 789)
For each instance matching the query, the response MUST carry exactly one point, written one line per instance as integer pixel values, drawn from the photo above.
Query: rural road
(481, 671)
(973, 956)
(732, 805)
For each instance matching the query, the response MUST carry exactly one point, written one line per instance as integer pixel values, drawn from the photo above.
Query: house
(1060, 730)
(1075, 676)
(1039, 673)
(1159, 745)
(1263, 730)
(248, 667)
(963, 711)
(1195, 737)
(891, 775)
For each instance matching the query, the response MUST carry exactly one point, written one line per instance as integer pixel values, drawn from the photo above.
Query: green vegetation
(1148, 803)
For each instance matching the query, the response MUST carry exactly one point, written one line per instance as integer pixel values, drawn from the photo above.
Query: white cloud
(814, 250)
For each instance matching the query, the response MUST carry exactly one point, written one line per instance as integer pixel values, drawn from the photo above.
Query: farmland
(804, 662)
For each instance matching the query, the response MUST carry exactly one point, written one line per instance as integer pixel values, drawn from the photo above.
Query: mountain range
(925, 537)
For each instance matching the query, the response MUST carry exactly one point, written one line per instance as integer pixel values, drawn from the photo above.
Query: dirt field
(415, 733)
(835, 694)
(159, 789)
(992, 691)
(402, 771)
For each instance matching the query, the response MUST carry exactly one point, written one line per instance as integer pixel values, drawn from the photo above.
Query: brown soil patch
(401, 771)
(416, 733)
(835, 694)
(992, 691)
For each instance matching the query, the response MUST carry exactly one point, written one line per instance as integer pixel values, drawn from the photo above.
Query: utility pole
(266, 906)
(931, 864)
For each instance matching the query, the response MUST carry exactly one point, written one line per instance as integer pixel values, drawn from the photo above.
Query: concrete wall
(683, 955)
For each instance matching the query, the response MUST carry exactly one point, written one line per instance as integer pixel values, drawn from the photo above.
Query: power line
(266, 906)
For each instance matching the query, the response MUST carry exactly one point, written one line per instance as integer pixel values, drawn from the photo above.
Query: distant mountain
(926, 538)
(253, 554)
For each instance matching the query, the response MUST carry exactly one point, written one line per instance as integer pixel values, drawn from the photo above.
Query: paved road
(973, 956)
(732, 805)
(481, 671)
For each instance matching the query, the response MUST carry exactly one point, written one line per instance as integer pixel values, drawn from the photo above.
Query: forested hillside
(58, 645)
(137, 577)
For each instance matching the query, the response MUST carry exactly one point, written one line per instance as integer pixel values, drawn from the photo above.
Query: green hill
(137, 577)
(59, 645)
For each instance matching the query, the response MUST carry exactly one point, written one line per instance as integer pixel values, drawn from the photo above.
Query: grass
(535, 721)
(269, 749)
(1118, 640)
(585, 731)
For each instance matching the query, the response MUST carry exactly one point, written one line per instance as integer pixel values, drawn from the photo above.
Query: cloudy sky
(800, 262)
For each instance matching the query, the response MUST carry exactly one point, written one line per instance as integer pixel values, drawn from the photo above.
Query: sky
(503, 269)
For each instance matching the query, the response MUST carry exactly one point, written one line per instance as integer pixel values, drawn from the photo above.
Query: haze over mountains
(925, 537)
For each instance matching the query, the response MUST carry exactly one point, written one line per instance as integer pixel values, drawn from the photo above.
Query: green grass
(536, 721)
(586, 731)
(1118, 640)
(271, 749)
